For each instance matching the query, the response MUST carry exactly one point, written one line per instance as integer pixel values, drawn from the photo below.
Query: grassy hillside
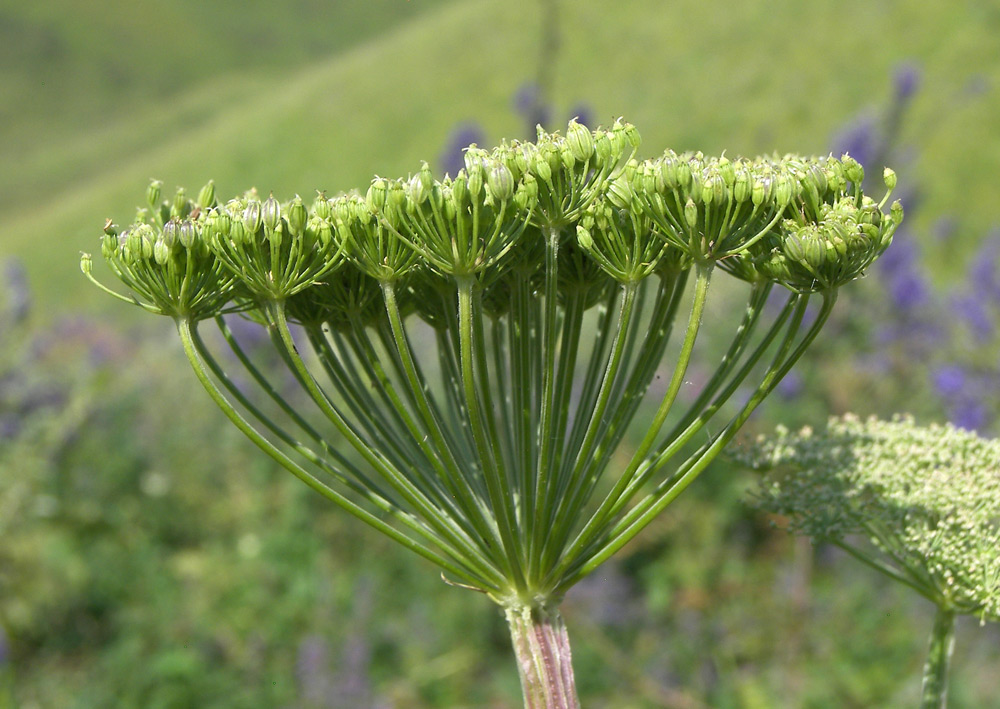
(760, 77)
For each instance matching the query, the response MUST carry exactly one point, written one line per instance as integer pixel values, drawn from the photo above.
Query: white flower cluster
(927, 498)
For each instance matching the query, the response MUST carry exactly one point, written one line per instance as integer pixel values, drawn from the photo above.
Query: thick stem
(544, 661)
(942, 642)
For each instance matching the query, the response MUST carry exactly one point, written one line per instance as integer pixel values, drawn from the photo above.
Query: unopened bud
(169, 235)
(691, 214)
(375, 198)
(187, 233)
(542, 170)
(584, 238)
(476, 180)
(580, 141)
(179, 208)
(460, 189)
(298, 215)
(501, 182)
(153, 193)
(853, 170)
(161, 252)
(206, 197)
(252, 218)
(270, 214)
(619, 193)
(415, 191)
(889, 177)
(782, 189)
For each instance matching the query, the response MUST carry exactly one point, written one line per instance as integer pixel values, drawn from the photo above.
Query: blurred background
(150, 557)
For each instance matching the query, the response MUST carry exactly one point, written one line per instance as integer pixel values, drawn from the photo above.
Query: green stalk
(184, 328)
(544, 661)
(395, 477)
(936, 669)
(597, 521)
(646, 510)
(497, 485)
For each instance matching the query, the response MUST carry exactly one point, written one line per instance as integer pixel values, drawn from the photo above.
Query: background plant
(919, 504)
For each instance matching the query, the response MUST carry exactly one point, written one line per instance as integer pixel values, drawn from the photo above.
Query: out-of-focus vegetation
(150, 558)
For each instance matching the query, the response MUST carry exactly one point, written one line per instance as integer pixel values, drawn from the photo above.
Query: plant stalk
(544, 661)
(942, 643)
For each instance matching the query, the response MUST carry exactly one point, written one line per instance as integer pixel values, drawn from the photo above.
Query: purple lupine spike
(970, 308)
(18, 293)
(530, 103)
(906, 81)
(859, 139)
(950, 380)
(452, 158)
(584, 115)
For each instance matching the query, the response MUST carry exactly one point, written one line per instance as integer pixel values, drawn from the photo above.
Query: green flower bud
(341, 208)
(691, 214)
(793, 249)
(853, 170)
(180, 206)
(476, 180)
(270, 213)
(708, 189)
(426, 177)
(321, 206)
(896, 212)
(252, 217)
(320, 231)
(889, 177)
(761, 190)
(460, 189)
(727, 171)
(153, 193)
(542, 170)
(526, 195)
(239, 234)
(620, 193)
(632, 136)
(782, 190)
(375, 198)
(683, 174)
(416, 192)
(501, 182)
(187, 234)
(206, 196)
(814, 251)
(742, 186)
(603, 148)
(169, 235)
(161, 252)
(580, 141)
(584, 238)
(298, 215)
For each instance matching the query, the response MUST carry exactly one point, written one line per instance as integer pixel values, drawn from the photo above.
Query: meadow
(150, 558)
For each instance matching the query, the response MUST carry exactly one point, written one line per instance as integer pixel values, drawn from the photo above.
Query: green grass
(778, 76)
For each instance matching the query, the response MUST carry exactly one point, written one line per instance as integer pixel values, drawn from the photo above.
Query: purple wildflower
(906, 81)
(791, 386)
(950, 380)
(530, 103)
(452, 158)
(859, 139)
(18, 295)
(971, 309)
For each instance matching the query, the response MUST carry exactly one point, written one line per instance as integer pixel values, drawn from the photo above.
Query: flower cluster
(801, 222)
(927, 498)
(493, 471)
